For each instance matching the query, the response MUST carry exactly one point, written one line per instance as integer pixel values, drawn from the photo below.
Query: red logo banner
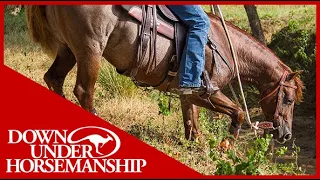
(43, 135)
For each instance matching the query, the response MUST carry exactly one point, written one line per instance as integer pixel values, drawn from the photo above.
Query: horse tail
(39, 29)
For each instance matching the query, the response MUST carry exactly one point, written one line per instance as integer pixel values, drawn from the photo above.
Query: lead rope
(254, 126)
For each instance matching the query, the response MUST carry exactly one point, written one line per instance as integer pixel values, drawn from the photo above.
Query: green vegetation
(14, 24)
(145, 113)
(255, 161)
(115, 84)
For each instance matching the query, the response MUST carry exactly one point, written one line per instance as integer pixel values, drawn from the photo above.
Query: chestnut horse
(83, 34)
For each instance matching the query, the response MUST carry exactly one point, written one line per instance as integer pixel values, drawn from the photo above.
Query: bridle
(279, 89)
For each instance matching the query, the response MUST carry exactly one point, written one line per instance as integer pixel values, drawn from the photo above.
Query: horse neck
(258, 65)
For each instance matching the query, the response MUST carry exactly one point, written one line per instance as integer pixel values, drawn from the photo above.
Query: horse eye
(290, 101)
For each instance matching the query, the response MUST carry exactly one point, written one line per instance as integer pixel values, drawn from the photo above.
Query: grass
(136, 110)
(116, 85)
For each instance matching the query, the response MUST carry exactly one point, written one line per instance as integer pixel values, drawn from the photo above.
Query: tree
(255, 23)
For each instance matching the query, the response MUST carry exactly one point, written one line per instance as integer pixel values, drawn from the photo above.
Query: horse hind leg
(190, 114)
(58, 71)
(87, 74)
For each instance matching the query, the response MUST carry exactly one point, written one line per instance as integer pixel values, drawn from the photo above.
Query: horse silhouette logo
(98, 140)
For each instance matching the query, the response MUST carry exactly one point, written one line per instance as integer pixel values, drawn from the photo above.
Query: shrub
(14, 23)
(296, 47)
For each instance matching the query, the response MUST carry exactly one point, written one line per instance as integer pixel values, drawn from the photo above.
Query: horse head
(278, 105)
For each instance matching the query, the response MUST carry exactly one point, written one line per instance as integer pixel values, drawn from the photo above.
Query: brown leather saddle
(168, 25)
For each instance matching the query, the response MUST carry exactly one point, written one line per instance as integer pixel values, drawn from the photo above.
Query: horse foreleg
(58, 71)
(87, 74)
(190, 114)
(220, 103)
(224, 105)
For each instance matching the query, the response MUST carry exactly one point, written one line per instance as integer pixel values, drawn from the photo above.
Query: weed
(291, 168)
(163, 104)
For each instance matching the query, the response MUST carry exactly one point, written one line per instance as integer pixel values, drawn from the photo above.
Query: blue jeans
(193, 57)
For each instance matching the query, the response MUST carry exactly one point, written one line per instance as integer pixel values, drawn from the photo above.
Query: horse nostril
(287, 137)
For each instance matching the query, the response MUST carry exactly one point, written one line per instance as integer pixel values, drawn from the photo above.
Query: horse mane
(299, 83)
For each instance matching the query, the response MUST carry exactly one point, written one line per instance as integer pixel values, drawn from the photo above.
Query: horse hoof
(94, 112)
(192, 136)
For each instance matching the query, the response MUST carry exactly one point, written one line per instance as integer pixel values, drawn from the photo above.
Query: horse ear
(293, 75)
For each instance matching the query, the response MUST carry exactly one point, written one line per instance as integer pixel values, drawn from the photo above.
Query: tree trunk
(255, 23)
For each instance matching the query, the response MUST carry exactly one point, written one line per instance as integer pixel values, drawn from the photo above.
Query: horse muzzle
(282, 132)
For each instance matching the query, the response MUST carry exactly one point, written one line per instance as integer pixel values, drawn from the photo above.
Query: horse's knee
(237, 121)
(238, 116)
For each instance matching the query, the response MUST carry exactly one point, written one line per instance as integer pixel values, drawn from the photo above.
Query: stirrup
(210, 89)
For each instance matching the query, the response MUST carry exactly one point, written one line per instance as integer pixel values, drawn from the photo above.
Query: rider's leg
(193, 57)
